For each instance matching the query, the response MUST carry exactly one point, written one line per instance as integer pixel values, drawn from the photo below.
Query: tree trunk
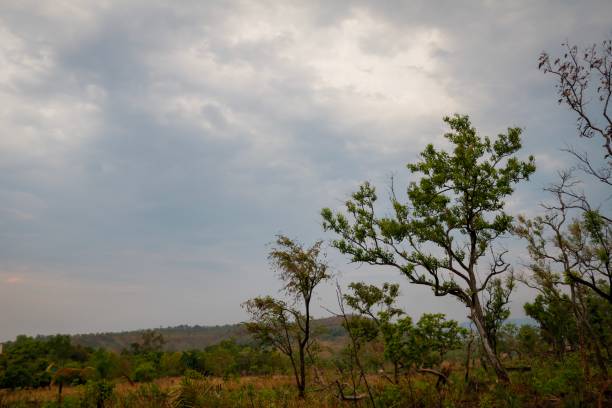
(478, 319)
(580, 321)
(467, 360)
(395, 372)
(295, 373)
(302, 382)
(60, 387)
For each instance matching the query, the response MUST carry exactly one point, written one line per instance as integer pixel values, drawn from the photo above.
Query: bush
(98, 394)
(145, 372)
(559, 380)
(16, 377)
(192, 392)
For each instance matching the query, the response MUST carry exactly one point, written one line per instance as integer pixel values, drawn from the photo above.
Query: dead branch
(343, 397)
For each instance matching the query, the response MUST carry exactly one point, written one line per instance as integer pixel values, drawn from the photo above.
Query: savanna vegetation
(444, 231)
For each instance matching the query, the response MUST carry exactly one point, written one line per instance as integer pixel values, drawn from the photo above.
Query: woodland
(442, 231)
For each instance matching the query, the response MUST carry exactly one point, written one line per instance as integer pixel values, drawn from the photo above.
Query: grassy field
(247, 391)
(279, 391)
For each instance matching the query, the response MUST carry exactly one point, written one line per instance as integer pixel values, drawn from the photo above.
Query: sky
(151, 150)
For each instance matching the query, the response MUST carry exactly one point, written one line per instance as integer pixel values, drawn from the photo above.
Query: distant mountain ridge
(185, 337)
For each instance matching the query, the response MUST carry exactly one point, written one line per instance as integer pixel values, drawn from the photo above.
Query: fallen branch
(434, 372)
(349, 397)
(442, 378)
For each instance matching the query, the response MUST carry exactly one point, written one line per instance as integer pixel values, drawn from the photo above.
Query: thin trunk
(295, 372)
(583, 358)
(59, 392)
(302, 350)
(354, 348)
(467, 360)
(477, 314)
(478, 319)
(596, 345)
(396, 372)
(302, 382)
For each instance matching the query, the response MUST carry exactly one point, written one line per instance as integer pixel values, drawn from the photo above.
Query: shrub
(98, 393)
(145, 372)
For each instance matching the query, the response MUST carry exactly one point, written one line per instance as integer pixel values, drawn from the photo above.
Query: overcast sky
(151, 150)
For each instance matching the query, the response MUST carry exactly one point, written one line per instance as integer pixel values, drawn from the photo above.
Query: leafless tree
(584, 77)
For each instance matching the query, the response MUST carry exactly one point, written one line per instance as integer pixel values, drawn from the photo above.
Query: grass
(544, 386)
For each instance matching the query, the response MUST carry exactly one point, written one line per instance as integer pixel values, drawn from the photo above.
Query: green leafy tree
(565, 318)
(529, 341)
(106, 364)
(435, 337)
(454, 215)
(600, 320)
(282, 324)
(553, 312)
(378, 314)
(496, 307)
(425, 343)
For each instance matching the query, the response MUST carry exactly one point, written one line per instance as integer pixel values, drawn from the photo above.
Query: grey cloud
(186, 139)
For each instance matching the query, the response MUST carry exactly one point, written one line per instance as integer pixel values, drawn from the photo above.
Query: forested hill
(184, 337)
(181, 338)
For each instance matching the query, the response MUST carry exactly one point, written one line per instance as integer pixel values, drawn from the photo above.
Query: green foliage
(459, 196)
(273, 323)
(558, 380)
(496, 307)
(553, 312)
(529, 341)
(578, 249)
(454, 214)
(231, 359)
(300, 269)
(401, 346)
(24, 362)
(171, 364)
(404, 343)
(193, 360)
(106, 364)
(374, 302)
(98, 394)
(16, 376)
(435, 336)
(192, 392)
(600, 320)
(145, 372)
(147, 395)
(283, 325)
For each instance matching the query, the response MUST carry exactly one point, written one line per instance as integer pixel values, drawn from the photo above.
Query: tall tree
(574, 233)
(575, 73)
(454, 214)
(282, 324)
(570, 244)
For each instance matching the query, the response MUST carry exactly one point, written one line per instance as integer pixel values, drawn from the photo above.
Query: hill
(184, 337)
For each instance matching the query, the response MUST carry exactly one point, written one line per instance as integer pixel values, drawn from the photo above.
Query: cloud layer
(150, 150)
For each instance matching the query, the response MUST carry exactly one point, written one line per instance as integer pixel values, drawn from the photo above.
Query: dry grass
(40, 395)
